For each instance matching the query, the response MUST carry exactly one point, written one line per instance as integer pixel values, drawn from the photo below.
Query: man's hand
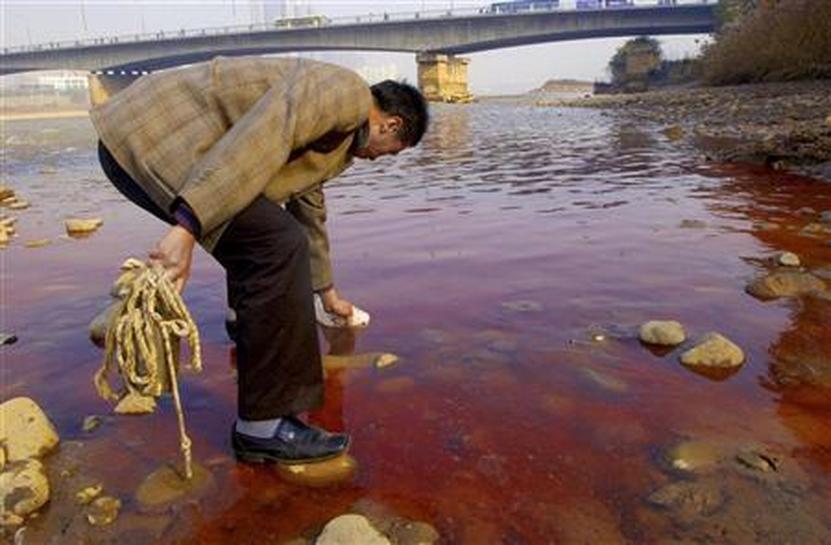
(333, 303)
(174, 252)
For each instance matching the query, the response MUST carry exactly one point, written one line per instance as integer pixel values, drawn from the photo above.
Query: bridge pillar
(103, 86)
(443, 78)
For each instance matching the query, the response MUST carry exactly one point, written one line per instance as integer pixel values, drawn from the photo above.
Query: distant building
(62, 81)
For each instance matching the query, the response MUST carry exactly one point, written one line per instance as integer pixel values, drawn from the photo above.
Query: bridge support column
(443, 78)
(103, 86)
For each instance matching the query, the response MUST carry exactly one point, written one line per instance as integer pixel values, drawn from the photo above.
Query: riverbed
(508, 261)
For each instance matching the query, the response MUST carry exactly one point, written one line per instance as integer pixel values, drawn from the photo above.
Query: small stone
(38, 243)
(825, 217)
(413, 533)
(674, 132)
(89, 493)
(19, 205)
(9, 519)
(5, 236)
(350, 530)
(6, 192)
(23, 487)
(25, 430)
(694, 456)
(663, 332)
(784, 284)
(80, 227)
(688, 499)
(385, 360)
(103, 511)
(166, 485)
(714, 350)
(134, 403)
(91, 423)
(828, 121)
(815, 230)
(758, 460)
(7, 338)
(788, 259)
(318, 474)
(692, 224)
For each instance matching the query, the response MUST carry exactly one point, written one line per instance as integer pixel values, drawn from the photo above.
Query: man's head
(397, 119)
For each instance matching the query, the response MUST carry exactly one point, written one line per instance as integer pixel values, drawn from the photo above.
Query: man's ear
(392, 124)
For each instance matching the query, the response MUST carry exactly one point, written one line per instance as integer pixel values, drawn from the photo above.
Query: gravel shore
(784, 125)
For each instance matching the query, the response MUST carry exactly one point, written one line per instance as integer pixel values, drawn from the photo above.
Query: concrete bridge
(436, 37)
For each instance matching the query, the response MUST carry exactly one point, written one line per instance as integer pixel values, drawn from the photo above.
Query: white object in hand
(359, 318)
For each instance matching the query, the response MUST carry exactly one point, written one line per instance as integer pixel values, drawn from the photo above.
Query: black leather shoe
(294, 442)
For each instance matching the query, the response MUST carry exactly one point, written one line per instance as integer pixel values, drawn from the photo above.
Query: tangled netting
(143, 341)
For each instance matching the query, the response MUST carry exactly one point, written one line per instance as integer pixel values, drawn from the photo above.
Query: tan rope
(144, 339)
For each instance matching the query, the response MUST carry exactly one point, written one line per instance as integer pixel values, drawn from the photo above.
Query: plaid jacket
(220, 133)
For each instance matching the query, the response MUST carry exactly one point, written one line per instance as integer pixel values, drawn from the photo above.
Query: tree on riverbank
(770, 40)
(634, 63)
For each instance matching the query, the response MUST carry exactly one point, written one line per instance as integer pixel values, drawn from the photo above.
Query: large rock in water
(713, 350)
(784, 284)
(25, 430)
(351, 530)
(663, 333)
(23, 488)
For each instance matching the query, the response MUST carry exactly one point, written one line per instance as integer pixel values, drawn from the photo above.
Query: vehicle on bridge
(521, 6)
(302, 22)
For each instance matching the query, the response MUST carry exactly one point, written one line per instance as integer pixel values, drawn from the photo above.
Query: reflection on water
(500, 424)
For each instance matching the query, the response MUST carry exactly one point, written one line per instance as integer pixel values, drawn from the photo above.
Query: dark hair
(407, 102)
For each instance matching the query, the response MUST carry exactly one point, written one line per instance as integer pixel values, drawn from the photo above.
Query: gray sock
(262, 429)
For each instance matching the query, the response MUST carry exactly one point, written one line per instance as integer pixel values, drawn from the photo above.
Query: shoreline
(785, 125)
(28, 116)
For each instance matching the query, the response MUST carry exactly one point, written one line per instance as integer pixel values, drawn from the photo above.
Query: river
(508, 261)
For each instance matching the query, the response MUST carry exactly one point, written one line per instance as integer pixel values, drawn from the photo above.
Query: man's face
(382, 139)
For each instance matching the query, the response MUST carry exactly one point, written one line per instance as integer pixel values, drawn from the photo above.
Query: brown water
(489, 258)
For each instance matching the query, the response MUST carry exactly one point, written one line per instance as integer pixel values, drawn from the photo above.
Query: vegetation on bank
(769, 40)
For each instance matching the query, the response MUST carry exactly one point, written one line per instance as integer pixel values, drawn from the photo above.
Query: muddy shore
(783, 125)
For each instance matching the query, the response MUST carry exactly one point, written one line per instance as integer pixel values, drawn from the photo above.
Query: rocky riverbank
(784, 125)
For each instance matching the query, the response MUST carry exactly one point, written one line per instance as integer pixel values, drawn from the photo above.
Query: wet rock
(788, 259)
(663, 333)
(695, 456)
(86, 495)
(134, 403)
(688, 500)
(91, 423)
(103, 511)
(5, 236)
(38, 243)
(825, 217)
(99, 325)
(758, 460)
(815, 230)
(26, 430)
(714, 350)
(350, 530)
(673, 133)
(784, 284)
(23, 487)
(6, 192)
(692, 224)
(10, 520)
(7, 338)
(18, 204)
(385, 360)
(77, 227)
(326, 473)
(522, 306)
(166, 485)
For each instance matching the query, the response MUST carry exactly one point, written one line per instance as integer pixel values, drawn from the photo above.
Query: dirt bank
(785, 125)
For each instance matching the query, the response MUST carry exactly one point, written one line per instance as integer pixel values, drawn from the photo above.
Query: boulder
(350, 530)
(23, 487)
(784, 284)
(788, 259)
(25, 430)
(663, 333)
(714, 350)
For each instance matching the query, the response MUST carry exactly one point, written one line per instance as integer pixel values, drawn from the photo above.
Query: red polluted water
(508, 261)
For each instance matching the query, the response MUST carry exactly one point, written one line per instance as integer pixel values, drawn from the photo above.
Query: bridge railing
(370, 18)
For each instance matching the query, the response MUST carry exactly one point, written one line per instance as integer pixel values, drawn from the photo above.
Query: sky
(36, 21)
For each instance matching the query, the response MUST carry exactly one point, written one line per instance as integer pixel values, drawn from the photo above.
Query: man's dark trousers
(265, 254)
